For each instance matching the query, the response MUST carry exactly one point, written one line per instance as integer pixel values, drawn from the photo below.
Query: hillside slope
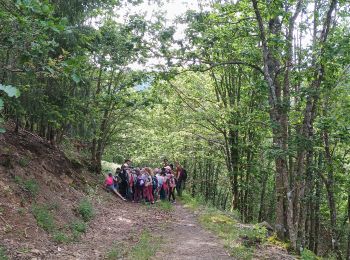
(36, 180)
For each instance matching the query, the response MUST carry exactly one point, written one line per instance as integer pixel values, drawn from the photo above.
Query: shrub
(43, 217)
(85, 210)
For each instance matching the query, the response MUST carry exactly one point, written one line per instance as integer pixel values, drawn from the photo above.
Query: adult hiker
(109, 185)
(124, 177)
(181, 176)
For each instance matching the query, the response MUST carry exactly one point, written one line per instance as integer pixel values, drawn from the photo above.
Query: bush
(85, 210)
(43, 218)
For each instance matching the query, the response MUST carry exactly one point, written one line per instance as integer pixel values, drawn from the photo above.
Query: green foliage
(43, 217)
(85, 210)
(3, 255)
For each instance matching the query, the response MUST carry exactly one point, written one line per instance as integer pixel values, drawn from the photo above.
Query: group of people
(147, 184)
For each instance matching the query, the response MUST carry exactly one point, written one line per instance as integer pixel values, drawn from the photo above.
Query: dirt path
(116, 223)
(186, 239)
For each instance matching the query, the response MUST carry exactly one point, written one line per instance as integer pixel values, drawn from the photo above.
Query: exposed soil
(186, 239)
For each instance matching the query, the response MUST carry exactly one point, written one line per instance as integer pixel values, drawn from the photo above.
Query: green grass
(43, 217)
(145, 248)
(119, 250)
(3, 255)
(31, 185)
(112, 254)
(85, 210)
(77, 228)
(61, 238)
(165, 205)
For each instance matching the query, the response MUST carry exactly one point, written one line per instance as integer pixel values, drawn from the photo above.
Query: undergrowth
(165, 205)
(72, 232)
(145, 248)
(119, 250)
(31, 185)
(85, 210)
(44, 217)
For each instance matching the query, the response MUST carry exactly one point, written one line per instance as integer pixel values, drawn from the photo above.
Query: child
(109, 185)
(138, 186)
(172, 185)
(149, 185)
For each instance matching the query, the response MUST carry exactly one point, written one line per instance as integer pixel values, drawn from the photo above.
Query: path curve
(186, 239)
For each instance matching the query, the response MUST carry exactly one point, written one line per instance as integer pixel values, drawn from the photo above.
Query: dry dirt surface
(186, 239)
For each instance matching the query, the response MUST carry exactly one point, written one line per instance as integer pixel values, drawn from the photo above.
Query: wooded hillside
(253, 99)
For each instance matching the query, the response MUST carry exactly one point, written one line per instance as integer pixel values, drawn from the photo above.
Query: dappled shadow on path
(186, 239)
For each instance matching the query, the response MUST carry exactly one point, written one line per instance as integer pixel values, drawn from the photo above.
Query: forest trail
(186, 239)
(182, 239)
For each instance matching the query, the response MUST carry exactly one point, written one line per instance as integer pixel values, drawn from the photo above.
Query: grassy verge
(145, 248)
(240, 240)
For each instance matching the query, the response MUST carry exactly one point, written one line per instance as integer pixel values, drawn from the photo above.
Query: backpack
(140, 182)
(154, 182)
